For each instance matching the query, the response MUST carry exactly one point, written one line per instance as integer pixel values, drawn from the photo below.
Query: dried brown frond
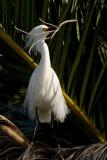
(12, 131)
(40, 151)
(8, 148)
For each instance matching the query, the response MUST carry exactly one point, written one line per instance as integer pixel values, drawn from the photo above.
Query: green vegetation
(78, 55)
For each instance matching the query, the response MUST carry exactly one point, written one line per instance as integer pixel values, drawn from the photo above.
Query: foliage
(77, 53)
(39, 150)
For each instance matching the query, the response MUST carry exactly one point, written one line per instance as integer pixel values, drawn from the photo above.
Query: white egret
(44, 95)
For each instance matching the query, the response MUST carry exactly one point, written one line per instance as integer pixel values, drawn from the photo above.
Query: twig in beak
(61, 24)
(21, 30)
(29, 33)
(57, 28)
(47, 23)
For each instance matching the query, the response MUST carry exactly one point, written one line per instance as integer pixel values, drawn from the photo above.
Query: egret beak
(52, 28)
(50, 31)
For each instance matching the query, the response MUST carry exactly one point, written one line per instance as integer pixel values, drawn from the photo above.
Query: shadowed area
(62, 142)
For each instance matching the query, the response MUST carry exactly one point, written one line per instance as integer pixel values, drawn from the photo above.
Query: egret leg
(36, 126)
(58, 145)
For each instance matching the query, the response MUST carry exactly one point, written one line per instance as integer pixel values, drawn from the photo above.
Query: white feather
(44, 92)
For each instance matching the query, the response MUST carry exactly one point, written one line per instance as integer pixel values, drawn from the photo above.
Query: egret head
(37, 35)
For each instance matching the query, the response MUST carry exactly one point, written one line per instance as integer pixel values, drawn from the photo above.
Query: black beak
(52, 28)
(50, 31)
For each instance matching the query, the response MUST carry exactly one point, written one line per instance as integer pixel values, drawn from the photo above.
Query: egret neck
(44, 51)
(44, 64)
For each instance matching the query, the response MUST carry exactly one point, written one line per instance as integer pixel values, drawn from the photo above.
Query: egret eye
(45, 29)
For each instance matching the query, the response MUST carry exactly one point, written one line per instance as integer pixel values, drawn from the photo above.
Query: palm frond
(76, 54)
(12, 131)
(41, 151)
